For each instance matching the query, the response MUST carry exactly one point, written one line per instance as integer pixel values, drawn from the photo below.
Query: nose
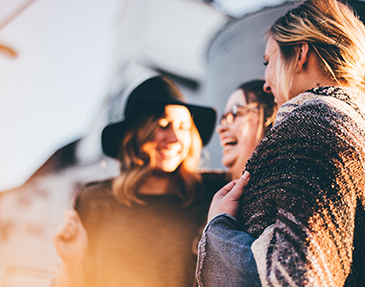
(267, 88)
(172, 135)
(221, 128)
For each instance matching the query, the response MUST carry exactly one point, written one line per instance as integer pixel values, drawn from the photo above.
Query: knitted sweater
(307, 192)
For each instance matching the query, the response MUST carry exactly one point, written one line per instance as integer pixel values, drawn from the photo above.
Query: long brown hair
(136, 164)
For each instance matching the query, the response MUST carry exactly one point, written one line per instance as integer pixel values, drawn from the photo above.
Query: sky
(52, 90)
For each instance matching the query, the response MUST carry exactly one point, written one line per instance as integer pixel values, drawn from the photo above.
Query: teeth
(168, 153)
(226, 141)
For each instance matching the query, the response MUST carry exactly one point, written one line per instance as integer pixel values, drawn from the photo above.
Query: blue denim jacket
(225, 258)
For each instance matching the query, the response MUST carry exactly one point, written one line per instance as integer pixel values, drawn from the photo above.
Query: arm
(225, 257)
(71, 243)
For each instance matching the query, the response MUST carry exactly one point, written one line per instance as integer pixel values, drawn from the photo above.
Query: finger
(68, 227)
(225, 189)
(77, 225)
(70, 222)
(237, 190)
(243, 180)
(76, 219)
(62, 235)
(72, 214)
(65, 233)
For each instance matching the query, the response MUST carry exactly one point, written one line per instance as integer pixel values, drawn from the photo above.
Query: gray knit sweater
(307, 192)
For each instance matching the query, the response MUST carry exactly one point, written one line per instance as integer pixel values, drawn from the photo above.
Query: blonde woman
(296, 217)
(142, 227)
(250, 113)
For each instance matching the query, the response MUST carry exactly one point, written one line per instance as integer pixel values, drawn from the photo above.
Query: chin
(163, 170)
(168, 167)
(227, 162)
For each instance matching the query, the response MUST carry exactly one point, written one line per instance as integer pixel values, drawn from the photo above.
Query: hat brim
(204, 119)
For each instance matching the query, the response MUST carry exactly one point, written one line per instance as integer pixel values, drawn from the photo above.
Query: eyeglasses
(238, 111)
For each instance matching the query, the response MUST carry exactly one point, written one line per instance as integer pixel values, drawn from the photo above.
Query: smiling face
(239, 139)
(172, 140)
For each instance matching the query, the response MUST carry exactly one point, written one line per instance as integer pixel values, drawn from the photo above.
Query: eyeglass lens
(237, 110)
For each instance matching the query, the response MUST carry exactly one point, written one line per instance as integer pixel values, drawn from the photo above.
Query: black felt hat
(151, 97)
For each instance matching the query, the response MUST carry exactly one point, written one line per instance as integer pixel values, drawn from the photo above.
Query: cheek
(186, 140)
(270, 75)
(266, 75)
(243, 131)
(248, 132)
(158, 137)
(238, 128)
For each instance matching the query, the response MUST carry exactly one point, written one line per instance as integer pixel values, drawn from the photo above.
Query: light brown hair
(332, 31)
(136, 164)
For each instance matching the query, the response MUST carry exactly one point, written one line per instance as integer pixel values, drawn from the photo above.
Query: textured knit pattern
(308, 183)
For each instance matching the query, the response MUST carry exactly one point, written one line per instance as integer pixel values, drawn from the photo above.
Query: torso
(307, 174)
(144, 245)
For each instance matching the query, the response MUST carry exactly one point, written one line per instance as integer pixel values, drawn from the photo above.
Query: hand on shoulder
(227, 198)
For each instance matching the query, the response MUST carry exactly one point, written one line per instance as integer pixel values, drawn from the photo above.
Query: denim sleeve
(225, 257)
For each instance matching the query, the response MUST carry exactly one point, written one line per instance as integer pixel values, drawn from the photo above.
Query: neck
(310, 76)
(236, 172)
(156, 184)
(325, 82)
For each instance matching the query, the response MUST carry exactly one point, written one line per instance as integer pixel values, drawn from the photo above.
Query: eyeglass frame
(229, 117)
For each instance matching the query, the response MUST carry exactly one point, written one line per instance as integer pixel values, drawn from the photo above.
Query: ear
(303, 51)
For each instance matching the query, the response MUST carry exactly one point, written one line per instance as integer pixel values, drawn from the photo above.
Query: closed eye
(164, 123)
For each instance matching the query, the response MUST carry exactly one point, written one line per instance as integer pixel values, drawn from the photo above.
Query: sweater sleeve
(305, 179)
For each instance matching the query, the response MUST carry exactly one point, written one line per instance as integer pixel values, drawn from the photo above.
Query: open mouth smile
(228, 141)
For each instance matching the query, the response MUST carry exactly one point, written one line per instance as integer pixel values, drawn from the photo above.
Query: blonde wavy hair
(136, 164)
(333, 31)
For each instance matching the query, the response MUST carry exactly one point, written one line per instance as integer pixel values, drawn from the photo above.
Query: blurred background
(52, 88)
(66, 68)
(66, 55)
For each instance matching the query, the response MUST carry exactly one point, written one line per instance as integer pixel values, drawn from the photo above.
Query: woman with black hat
(142, 227)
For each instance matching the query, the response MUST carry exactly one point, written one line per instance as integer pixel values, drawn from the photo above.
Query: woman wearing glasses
(302, 214)
(249, 114)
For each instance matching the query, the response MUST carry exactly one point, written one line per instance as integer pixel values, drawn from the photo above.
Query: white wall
(50, 93)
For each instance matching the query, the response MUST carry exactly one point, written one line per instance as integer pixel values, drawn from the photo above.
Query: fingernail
(246, 175)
